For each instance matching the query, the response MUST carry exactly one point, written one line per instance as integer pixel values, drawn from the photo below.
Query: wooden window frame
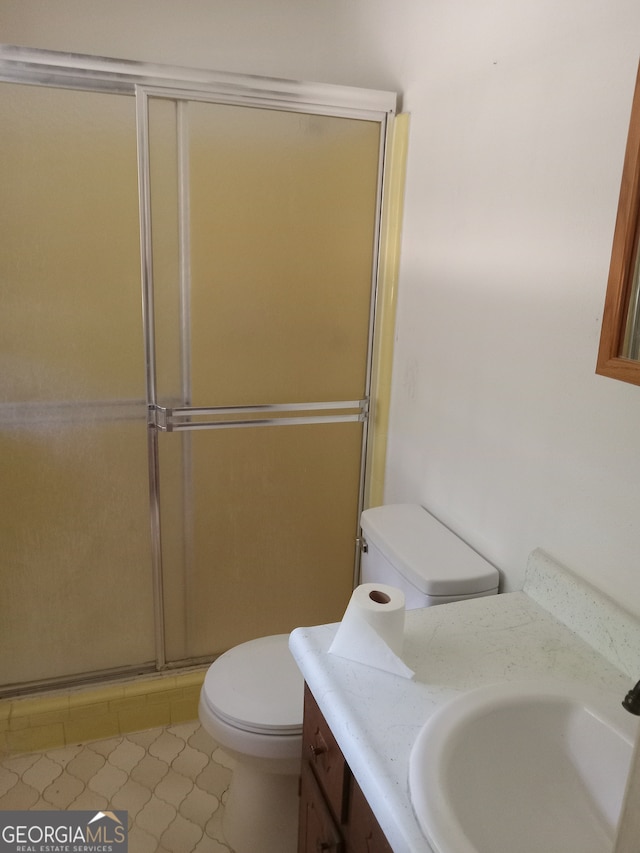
(624, 255)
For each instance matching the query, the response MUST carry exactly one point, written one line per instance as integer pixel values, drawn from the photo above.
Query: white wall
(519, 118)
(499, 425)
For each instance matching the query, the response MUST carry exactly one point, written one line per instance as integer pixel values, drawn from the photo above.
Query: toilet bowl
(251, 703)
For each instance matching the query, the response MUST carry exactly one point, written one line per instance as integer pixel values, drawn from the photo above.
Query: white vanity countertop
(452, 648)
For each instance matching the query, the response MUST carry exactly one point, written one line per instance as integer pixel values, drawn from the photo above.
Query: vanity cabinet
(334, 814)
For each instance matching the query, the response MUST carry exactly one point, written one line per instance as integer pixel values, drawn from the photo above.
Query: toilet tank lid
(425, 552)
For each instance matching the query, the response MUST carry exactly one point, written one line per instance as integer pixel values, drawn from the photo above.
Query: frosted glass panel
(69, 265)
(282, 213)
(271, 518)
(166, 253)
(75, 566)
(279, 212)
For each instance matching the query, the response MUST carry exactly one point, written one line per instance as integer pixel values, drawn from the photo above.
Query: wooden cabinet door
(363, 830)
(321, 749)
(317, 831)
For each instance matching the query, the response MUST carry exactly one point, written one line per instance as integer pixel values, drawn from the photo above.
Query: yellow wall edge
(391, 231)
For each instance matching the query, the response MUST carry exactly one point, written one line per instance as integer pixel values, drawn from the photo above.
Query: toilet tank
(407, 547)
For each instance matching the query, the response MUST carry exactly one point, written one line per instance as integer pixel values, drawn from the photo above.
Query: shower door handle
(174, 419)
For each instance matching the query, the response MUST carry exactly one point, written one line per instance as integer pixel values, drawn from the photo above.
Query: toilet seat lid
(257, 687)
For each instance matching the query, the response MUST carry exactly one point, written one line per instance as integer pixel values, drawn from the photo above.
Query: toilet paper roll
(372, 629)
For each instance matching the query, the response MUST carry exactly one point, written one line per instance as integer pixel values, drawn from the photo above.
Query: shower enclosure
(188, 282)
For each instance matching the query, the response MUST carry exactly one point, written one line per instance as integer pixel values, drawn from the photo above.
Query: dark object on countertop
(632, 700)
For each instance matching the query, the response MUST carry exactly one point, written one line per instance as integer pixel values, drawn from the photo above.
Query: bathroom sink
(532, 767)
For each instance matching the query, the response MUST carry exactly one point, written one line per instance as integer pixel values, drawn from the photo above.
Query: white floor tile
(165, 778)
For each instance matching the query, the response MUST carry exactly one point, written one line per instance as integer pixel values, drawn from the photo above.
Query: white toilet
(252, 697)
(251, 704)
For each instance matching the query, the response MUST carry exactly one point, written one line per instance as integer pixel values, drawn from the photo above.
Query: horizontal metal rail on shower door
(173, 419)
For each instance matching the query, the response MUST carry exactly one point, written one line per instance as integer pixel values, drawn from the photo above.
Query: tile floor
(172, 781)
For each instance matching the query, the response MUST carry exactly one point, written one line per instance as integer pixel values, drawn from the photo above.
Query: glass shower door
(234, 394)
(261, 260)
(76, 573)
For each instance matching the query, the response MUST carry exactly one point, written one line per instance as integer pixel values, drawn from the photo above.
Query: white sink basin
(523, 767)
